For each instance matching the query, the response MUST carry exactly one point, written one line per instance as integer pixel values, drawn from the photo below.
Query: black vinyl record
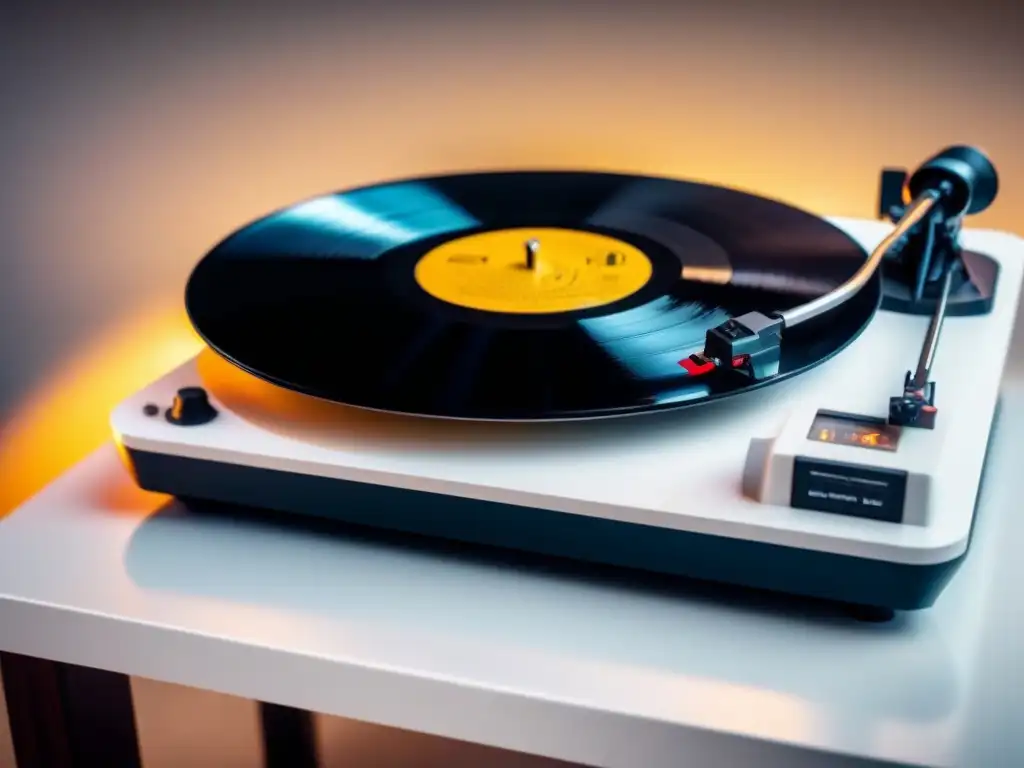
(518, 295)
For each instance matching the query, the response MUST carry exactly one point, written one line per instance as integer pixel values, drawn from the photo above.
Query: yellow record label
(533, 271)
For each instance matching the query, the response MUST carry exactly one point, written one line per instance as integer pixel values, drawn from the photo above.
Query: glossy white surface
(557, 661)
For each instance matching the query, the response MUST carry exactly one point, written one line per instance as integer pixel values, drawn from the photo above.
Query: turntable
(636, 371)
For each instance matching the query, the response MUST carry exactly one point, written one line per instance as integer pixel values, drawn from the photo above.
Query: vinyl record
(518, 296)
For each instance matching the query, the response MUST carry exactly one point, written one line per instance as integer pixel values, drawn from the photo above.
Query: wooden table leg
(66, 716)
(289, 737)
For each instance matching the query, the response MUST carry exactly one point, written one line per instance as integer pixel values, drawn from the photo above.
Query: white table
(99, 581)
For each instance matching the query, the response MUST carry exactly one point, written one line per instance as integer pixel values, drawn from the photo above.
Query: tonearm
(923, 247)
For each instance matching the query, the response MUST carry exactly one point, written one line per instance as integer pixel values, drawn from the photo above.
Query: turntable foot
(873, 614)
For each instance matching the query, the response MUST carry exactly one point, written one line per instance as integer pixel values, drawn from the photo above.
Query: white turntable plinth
(637, 480)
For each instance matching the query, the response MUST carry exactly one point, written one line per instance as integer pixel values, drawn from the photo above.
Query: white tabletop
(553, 661)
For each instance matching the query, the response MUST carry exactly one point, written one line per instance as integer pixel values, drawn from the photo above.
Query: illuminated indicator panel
(850, 488)
(860, 431)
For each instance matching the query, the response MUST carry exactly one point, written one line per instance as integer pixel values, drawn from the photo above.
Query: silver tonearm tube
(917, 211)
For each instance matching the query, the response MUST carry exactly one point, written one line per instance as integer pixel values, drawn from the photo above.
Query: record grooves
(518, 296)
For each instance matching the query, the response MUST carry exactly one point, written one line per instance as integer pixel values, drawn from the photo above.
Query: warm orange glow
(69, 416)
